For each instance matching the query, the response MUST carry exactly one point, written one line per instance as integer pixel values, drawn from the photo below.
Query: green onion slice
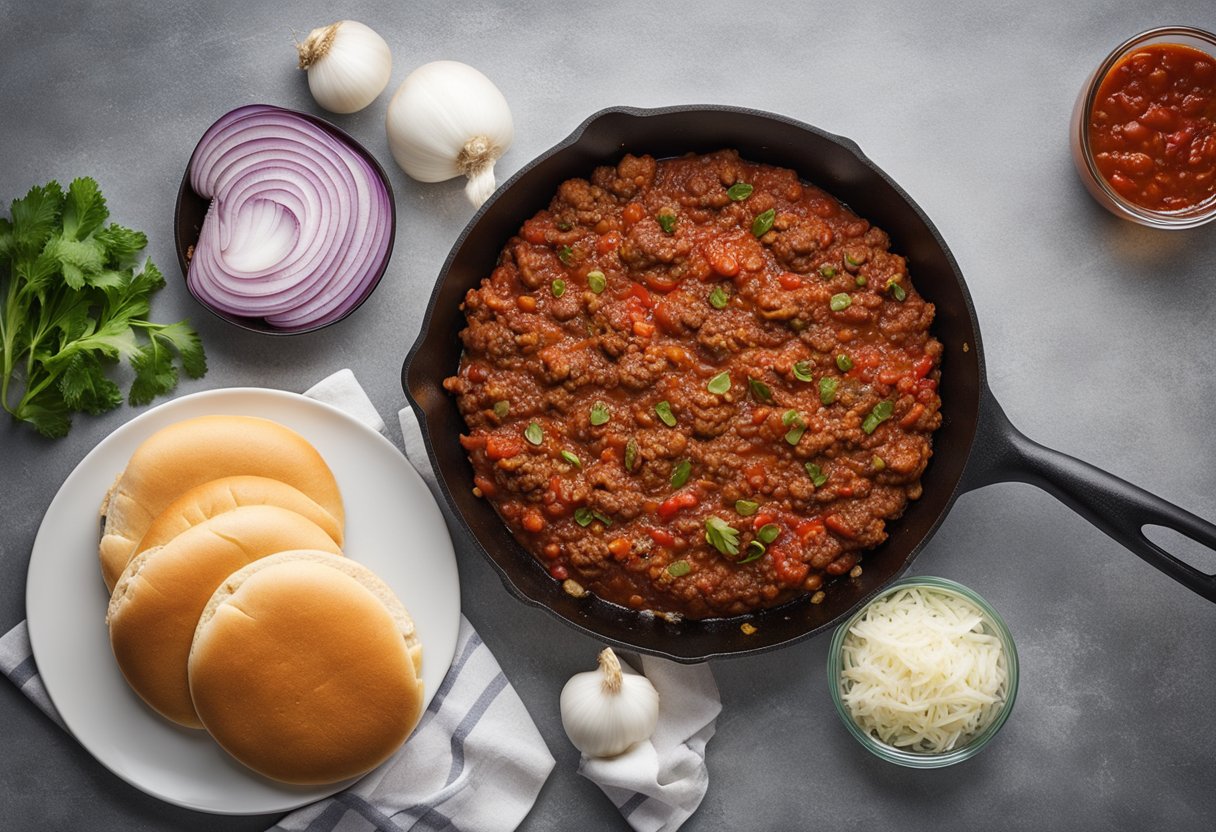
(827, 271)
(897, 291)
(570, 457)
(631, 455)
(739, 191)
(795, 435)
(792, 418)
(663, 408)
(840, 302)
(860, 280)
(679, 569)
(746, 508)
(583, 516)
(558, 287)
(596, 281)
(565, 254)
(815, 473)
(534, 434)
(719, 298)
(667, 222)
(802, 371)
(878, 463)
(719, 384)
(755, 551)
(760, 390)
(768, 533)
(844, 363)
(763, 222)
(600, 413)
(721, 535)
(879, 414)
(680, 473)
(827, 389)
(502, 408)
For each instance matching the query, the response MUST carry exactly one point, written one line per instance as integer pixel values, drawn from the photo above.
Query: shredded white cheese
(922, 671)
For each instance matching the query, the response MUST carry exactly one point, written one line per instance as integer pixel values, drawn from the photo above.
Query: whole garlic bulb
(606, 711)
(348, 65)
(448, 120)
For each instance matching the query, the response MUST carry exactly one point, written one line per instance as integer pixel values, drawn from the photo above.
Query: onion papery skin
(300, 224)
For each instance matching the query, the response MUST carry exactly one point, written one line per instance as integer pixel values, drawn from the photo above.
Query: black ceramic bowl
(975, 445)
(191, 209)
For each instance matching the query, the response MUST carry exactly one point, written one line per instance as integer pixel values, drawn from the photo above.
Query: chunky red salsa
(1152, 130)
(698, 386)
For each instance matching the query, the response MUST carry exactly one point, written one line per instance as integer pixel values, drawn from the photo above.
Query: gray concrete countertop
(1097, 336)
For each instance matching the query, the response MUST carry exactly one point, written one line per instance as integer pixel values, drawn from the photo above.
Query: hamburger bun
(157, 601)
(305, 667)
(215, 497)
(194, 451)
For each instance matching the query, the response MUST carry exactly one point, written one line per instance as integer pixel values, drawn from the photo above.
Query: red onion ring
(300, 223)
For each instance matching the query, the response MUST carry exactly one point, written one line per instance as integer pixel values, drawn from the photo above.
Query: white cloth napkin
(659, 783)
(475, 762)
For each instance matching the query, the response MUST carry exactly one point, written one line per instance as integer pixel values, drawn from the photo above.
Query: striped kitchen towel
(476, 761)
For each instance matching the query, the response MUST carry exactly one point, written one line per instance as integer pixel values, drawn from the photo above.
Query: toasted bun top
(194, 451)
(157, 601)
(305, 668)
(217, 496)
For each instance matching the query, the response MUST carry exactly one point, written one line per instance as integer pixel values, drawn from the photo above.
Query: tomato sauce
(1152, 129)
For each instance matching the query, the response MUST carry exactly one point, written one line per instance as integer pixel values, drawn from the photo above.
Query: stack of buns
(233, 609)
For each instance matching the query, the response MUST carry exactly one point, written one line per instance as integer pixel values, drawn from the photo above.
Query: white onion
(300, 223)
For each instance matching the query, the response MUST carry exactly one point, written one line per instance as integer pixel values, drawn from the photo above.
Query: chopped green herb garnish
(502, 408)
(73, 302)
(760, 390)
(600, 413)
(534, 434)
(596, 281)
(680, 473)
(603, 518)
(792, 417)
(663, 408)
(667, 222)
(565, 254)
(853, 262)
(763, 222)
(879, 414)
(564, 225)
(755, 551)
(878, 463)
(860, 280)
(631, 455)
(721, 535)
(583, 516)
(679, 569)
(746, 508)
(719, 384)
(570, 457)
(719, 298)
(827, 389)
(840, 302)
(739, 191)
(897, 291)
(559, 288)
(768, 533)
(844, 363)
(815, 473)
(802, 371)
(827, 271)
(794, 436)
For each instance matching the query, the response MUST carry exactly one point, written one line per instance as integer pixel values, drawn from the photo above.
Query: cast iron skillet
(975, 446)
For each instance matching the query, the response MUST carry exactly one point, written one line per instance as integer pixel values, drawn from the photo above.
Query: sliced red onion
(300, 223)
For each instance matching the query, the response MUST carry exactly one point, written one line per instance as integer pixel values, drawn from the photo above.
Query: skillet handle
(1115, 506)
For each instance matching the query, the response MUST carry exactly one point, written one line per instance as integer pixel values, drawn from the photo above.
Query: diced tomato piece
(643, 329)
(633, 212)
(910, 418)
(608, 242)
(637, 290)
(790, 281)
(684, 499)
(534, 232)
(533, 521)
(473, 443)
(662, 537)
(923, 366)
(619, 547)
(835, 523)
(503, 447)
(809, 528)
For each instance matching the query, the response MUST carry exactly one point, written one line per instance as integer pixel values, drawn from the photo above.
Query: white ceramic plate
(392, 525)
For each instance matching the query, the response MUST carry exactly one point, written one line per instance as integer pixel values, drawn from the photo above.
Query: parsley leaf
(721, 535)
(72, 303)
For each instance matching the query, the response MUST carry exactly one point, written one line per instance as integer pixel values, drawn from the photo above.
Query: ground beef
(685, 410)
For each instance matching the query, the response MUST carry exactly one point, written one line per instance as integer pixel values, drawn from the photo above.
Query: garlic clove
(605, 712)
(447, 120)
(348, 65)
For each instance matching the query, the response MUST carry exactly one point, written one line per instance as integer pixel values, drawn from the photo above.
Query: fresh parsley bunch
(72, 303)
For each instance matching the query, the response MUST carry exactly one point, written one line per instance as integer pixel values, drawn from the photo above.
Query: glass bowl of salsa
(1144, 129)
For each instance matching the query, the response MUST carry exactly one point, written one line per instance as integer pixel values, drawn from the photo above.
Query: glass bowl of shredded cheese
(924, 675)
